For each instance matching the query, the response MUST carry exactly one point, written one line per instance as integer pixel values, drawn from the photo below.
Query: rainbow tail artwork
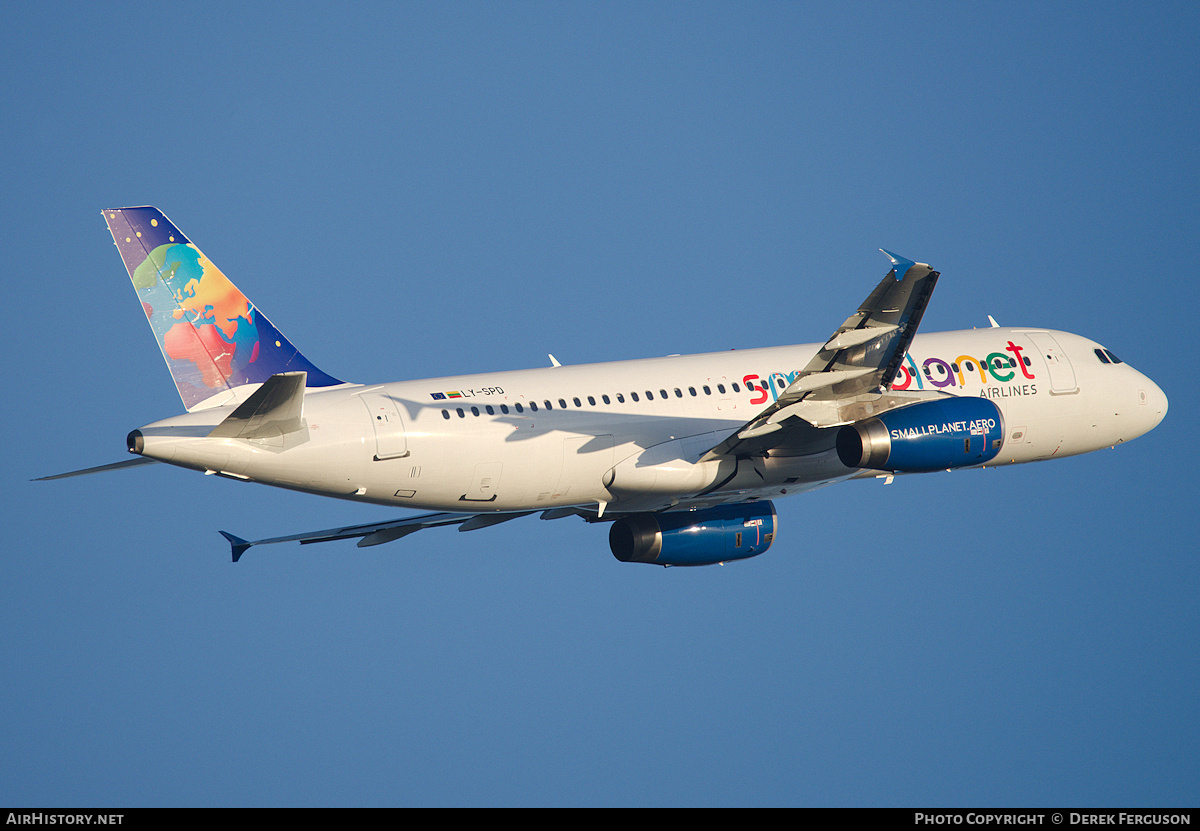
(211, 336)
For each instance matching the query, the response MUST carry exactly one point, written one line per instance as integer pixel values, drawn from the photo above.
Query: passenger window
(633, 395)
(663, 393)
(736, 388)
(604, 398)
(649, 395)
(563, 404)
(504, 409)
(721, 388)
(533, 406)
(474, 411)
(707, 391)
(520, 409)
(445, 414)
(489, 409)
(620, 398)
(678, 394)
(692, 390)
(590, 399)
(549, 406)
(461, 414)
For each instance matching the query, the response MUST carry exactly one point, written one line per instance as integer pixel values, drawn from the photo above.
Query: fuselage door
(1062, 375)
(390, 442)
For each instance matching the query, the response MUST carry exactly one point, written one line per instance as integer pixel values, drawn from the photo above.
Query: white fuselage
(628, 435)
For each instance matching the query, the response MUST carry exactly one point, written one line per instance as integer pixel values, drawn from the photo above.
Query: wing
(849, 376)
(377, 533)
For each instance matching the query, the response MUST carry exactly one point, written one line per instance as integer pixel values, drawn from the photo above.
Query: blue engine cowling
(932, 435)
(694, 538)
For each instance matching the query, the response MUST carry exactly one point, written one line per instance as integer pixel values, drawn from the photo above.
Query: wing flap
(857, 337)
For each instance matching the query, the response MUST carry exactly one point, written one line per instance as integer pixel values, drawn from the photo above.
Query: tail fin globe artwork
(211, 336)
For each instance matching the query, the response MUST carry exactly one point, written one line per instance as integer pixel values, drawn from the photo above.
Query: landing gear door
(487, 479)
(390, 442)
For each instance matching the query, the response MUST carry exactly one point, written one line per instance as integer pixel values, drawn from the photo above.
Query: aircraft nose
(1157, 402)
(1153, 402)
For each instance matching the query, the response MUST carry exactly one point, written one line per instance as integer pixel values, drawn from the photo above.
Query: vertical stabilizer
(211, 336)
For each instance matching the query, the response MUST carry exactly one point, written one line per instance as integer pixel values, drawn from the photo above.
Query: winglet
(899, 264)
(237, 544)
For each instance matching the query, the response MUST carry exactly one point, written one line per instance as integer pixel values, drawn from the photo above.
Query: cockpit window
(1100, 354)
(1115, 359)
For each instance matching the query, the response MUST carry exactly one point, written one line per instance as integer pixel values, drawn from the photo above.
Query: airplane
(683, 455)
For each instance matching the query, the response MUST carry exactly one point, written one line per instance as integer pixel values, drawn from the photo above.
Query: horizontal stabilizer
(274, 409)
(141, 460)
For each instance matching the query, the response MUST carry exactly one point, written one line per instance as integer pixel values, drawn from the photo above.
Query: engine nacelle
(932, 435)
(694, 538)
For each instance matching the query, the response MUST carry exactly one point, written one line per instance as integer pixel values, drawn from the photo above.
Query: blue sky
(420, 189)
